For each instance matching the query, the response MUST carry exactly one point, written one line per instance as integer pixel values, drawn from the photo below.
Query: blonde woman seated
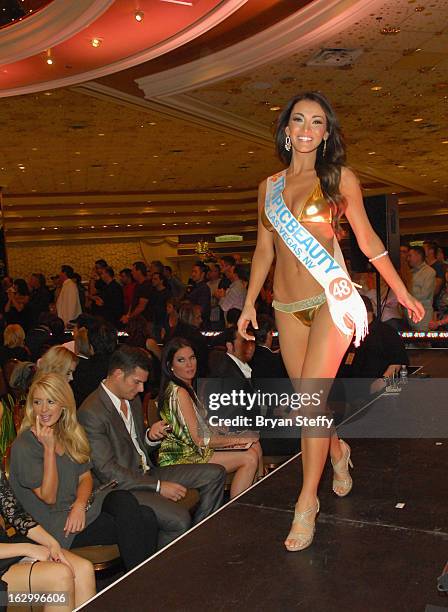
(13, 345)
(32, 560)
(188, 438)
(59, 360)
(50, 475)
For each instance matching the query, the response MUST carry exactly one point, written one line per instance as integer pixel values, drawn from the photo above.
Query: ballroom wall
(47, 258)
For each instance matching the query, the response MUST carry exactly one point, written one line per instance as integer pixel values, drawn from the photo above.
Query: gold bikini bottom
(303, 310)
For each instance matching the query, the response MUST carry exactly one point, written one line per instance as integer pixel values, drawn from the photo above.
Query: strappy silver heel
(341, 467)
(304, 539)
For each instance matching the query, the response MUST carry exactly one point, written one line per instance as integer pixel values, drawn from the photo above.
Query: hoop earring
(325, 148)
(288, 143)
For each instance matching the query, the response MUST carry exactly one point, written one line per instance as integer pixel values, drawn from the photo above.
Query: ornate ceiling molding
(49, 27)
(225, 9)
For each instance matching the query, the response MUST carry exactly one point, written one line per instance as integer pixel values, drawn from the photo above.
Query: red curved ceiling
(122, 37)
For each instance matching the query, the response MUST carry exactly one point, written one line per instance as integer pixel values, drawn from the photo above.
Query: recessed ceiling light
(101, 134)
(376, 88)
(50, 61)
(92, 227)
(77, 170)
(372, 152)
(400, 166)
(155, 156)
(444, 141)
(163, 223)
(47, 93)
(152, 123)
(418, 119)
(223, 144)
(139, 16)
(42, 228)
(275, 108)
(96, 42)
(251, 152)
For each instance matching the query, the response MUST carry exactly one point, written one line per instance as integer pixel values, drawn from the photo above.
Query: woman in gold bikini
(318, 189)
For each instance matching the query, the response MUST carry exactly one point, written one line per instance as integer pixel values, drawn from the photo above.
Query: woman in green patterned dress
(188, 438)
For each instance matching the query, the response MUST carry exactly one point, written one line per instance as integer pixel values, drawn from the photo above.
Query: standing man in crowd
(422, 287)
(235, 295)
(142, 293)
(109, 300)
(200, 294)
(68, 305)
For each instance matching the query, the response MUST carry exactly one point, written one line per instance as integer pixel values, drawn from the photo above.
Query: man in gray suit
(112, 417)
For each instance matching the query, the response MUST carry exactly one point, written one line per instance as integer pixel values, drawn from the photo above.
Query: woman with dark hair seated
(32, 560)
(189, 439)
(50, 475)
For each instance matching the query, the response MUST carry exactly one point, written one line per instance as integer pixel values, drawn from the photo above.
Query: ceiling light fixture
(49, 59)
(139, 16)
(418, 119)
(96, 42)
(376, 88)
(275, 108)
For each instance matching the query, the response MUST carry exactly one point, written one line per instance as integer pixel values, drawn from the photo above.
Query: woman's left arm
(76, 520)
(371, 245)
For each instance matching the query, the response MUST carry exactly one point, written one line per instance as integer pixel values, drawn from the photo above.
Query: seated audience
(17, 308)
(172, 317)
(90, 372)
(59, 360)
(50, 475)
(381, 354)
(189, 439)
(389, 305)
(122, 452)
(422, 286)
(188, 328)
(41, 335)
(266, 363)
(32, 560)
(234, 363)
(13, 345)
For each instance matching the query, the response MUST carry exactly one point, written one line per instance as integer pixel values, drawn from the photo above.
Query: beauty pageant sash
(343, 299)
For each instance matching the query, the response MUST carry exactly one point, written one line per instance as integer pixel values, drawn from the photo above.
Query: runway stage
(367, 554)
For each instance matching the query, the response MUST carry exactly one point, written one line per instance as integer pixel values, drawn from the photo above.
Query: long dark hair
(169, 350)
(328, 168)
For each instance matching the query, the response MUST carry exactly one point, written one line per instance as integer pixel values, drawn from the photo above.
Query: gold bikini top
(315, 209)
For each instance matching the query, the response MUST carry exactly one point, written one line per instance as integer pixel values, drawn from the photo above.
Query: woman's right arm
(261, 264)
(48, 490)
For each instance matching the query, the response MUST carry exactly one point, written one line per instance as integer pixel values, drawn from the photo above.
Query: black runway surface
(367, 555)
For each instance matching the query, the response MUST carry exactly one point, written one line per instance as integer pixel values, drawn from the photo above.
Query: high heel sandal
(303, 540)
(341, 467)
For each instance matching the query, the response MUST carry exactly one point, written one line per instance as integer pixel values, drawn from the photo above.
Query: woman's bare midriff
(292, 281)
